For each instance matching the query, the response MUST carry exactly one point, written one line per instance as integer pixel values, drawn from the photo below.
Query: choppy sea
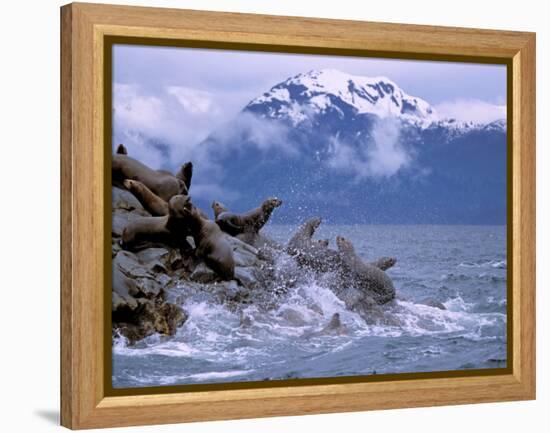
(462, 267)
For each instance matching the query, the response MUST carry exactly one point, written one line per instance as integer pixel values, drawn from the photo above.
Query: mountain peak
(317, 91)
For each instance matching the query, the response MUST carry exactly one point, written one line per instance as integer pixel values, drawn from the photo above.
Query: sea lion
(249, 222)
(160, 182)
(151, 202)
(367, 277)
(218, 208)
(335, 326)
(121, 150)
(313, 253)
(170, 229)
(384, 263)
(211, 245)
(185, 174)
(303, 236)
(322, 242)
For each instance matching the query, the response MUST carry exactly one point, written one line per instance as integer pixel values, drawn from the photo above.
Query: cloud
(248, 130)
(381, 157)
(193, 100)
(471, 110)
(163, 129)
(134, 110)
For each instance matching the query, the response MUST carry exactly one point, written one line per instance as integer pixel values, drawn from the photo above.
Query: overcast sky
(250, 73)
(179, 95)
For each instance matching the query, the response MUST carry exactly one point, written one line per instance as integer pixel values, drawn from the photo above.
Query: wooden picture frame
(85, 400)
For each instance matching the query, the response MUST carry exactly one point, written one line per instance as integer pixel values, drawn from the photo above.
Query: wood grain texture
(524, 218)
(84, 26)
(67, 388)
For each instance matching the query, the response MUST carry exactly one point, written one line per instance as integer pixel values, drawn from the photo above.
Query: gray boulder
(139, 305)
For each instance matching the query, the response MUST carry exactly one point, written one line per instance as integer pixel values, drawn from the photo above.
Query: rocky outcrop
(151, 284)
(139, 305)
(143, 281)
(140, 280)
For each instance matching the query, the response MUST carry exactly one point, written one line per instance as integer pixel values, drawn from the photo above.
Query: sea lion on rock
(185, 174)
(151, 202)
(250, 222)
(211, 244)
(160, 182)
(384, 263)
(323, 242)
(170, 229)
(218, 208)
(303, 236)
(313, 253)
(121, 150)
(366, 276)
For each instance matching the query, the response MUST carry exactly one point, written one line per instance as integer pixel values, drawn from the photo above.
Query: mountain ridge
(364, 152)
(319, 90)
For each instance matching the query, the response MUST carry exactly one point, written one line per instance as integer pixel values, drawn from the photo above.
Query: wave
(497, 264)
(158, 379)
(456, 278)
(216, 335)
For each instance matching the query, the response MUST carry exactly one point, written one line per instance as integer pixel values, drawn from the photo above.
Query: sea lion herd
(174, 218)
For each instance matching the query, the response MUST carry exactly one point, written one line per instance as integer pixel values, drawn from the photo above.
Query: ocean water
(462, 267)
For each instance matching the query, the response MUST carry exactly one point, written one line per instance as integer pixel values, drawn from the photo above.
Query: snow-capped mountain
(321, 91)
(384, 155)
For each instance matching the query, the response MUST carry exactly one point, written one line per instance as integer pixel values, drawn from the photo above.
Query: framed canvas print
(271, 216)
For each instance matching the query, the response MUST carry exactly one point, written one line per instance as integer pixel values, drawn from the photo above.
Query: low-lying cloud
(162, 130)
(471, 110)
(193, 100)
(249, 130)
(381, 157)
